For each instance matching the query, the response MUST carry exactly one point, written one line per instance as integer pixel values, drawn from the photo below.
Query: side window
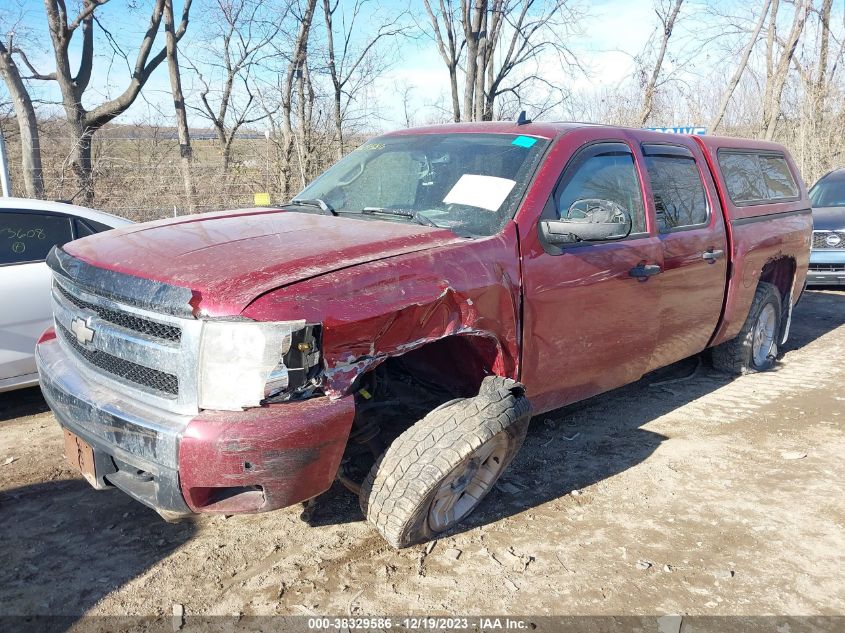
(28, 237)
(679, 197)
(778, 177)
(757, 177)
(604, 175)
(743, 177)
(82, 229)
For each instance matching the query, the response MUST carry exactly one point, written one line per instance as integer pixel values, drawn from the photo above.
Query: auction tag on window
(485, 192)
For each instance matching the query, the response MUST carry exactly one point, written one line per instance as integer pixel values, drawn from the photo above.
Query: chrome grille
(152, 379)
(820, 239)
(148, 355)
(128, 321)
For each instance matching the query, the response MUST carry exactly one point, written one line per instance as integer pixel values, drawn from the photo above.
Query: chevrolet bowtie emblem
(83, 333)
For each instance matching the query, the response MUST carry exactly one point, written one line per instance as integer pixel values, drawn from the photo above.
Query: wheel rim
(764, 335)
(468, 483)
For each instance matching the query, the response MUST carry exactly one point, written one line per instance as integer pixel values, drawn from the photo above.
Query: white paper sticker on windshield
(485, 192)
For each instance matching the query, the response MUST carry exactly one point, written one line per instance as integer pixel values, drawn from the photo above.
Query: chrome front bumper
(827, 267)
(136, 446)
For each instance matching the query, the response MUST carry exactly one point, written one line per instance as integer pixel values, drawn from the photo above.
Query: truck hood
(228, 259)
(829, 218)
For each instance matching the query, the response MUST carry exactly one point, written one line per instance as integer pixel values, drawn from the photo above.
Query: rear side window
(28, 237)
(755, 177)
(82, 229)
(778, 177)
(679, 197)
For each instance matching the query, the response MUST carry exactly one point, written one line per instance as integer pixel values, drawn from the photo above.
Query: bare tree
(473, 19)
(820, 88)
(83, 122)
(295, 79)
(518, 33)
(185, 151)
(407, 90)
(667, 14)
(33, 176)
(347, 59)
(779, 63)
(740, 68)
(239, 42)
(450, 50)
(501, 39)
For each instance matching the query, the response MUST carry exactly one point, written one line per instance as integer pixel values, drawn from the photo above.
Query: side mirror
(588, 220)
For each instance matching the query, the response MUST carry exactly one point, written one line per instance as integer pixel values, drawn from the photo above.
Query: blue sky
(612, 31)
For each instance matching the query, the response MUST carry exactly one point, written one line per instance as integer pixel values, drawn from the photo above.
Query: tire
(745, 353)
(438, 471)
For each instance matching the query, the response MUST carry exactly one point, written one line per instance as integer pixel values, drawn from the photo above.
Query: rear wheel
(438, 471)
(755, 348)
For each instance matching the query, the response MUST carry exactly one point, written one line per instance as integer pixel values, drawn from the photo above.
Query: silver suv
(827, 260)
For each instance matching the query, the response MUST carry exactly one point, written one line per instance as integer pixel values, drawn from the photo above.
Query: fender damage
(389, 307)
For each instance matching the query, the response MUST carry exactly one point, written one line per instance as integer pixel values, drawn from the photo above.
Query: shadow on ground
(65, 546)
(21, 403)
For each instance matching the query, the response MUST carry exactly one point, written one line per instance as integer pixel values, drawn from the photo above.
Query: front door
(590, 317)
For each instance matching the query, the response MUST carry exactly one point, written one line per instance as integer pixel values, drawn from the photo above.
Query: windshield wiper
(324, 206)
(416, 216)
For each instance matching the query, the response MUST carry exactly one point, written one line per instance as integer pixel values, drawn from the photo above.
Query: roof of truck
(732, 142)
(542, 129)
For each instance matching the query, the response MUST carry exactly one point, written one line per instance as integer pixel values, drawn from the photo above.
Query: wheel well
(780, 272)
(403, 389)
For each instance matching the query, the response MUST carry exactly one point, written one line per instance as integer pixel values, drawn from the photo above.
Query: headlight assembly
(243, 362)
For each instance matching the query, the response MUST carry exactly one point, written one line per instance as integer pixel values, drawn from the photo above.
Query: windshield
(828, 192)
(469, 183)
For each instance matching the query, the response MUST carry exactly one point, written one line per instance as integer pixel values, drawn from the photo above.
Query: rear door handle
(644, 271)
(711, 256)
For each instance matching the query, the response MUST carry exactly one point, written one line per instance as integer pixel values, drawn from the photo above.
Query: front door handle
(644, 271)
(711, 256)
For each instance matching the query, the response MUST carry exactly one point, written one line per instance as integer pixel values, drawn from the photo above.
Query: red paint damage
(263, 458)
(389, 307)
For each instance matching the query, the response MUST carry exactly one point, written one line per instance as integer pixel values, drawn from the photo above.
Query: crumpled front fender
(389, 307)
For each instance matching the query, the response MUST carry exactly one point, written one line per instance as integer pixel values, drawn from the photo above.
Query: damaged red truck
(395, 326)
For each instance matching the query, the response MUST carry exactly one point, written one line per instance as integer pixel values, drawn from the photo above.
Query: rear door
(590, 318)
(25, 239)
(692, 236)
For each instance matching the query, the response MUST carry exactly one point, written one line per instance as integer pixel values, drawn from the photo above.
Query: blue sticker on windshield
(524, 141)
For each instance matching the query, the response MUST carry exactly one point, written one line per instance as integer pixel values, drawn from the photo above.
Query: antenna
(522, 119)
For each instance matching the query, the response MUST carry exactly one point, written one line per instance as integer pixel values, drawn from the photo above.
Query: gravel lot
(702, 495)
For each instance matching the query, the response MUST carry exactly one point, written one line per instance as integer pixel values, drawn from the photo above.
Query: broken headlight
(243, 362)
(299, 370)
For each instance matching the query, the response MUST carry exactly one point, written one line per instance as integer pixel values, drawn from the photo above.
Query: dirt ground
(703, 495)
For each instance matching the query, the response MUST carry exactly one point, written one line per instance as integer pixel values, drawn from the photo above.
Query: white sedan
(28, 230)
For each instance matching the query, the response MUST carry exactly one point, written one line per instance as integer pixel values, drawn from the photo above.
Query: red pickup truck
(395, 325)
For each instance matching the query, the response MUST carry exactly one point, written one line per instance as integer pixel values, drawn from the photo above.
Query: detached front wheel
(438, 471)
